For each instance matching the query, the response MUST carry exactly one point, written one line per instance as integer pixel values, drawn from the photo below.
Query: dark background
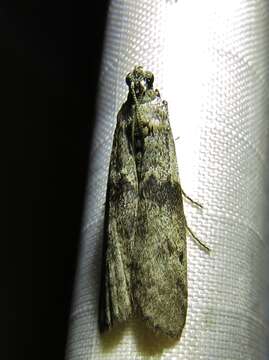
(50, 58)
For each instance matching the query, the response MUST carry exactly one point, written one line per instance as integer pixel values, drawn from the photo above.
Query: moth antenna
(190, 199)
(136, 105)
(206, 248)
(137, 110)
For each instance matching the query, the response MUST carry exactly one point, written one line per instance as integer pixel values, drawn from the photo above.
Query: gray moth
(144, 273)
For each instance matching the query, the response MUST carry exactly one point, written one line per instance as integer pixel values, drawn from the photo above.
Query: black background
(50, 58)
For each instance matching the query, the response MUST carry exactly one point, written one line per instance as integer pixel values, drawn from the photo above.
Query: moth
(145, 257)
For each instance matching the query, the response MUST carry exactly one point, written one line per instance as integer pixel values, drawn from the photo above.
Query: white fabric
(210, 63)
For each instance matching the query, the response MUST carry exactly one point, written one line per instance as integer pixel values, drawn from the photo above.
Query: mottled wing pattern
(145, 256)
(121, 209)
(159, 258)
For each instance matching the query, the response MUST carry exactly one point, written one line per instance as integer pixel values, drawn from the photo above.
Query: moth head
(139, 81)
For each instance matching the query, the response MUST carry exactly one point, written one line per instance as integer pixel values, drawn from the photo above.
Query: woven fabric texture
(210, 61)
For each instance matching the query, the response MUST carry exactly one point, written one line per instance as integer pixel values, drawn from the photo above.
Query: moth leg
(206, 248)
(192, 201)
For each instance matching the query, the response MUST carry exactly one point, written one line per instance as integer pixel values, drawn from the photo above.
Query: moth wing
(160, 282)
(120, 218)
